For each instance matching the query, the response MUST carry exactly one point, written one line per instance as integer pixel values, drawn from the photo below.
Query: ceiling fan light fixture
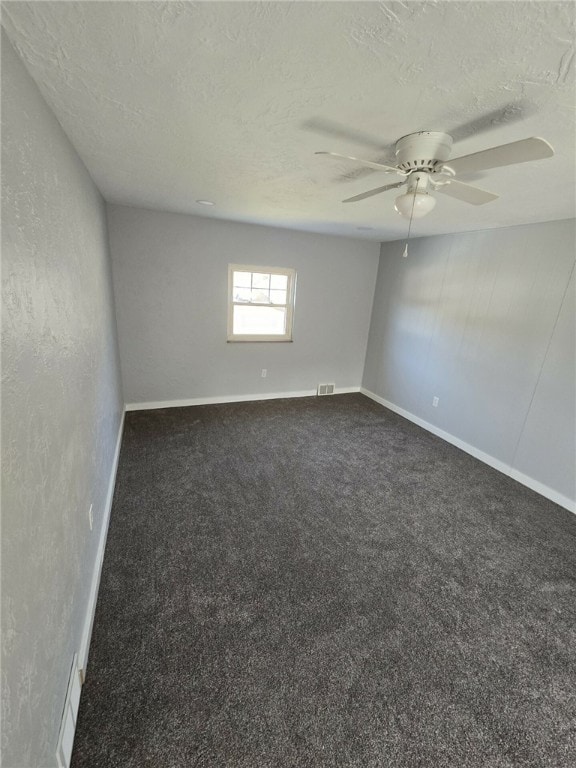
(415, 205)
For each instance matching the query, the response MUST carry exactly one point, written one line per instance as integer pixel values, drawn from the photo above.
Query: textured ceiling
(170, 102)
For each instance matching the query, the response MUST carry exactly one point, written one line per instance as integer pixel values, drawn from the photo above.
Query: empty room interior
(288, 384)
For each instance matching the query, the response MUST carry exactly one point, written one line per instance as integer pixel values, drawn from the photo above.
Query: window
(260, 303)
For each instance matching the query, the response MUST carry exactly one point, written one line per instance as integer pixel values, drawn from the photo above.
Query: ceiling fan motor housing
(419, 182)
(423, 151)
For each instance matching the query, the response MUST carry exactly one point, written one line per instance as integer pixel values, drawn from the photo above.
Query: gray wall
(61, 410)
(170, 282)
(484, 321)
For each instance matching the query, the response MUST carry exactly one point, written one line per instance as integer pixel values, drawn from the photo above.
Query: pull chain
(405, 253)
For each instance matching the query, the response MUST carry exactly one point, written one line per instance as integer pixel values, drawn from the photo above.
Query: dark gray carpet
(318, 582)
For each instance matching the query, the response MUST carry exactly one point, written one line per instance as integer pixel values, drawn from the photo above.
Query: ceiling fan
(424, 165)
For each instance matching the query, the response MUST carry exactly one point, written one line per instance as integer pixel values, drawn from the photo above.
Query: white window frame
(289, 306)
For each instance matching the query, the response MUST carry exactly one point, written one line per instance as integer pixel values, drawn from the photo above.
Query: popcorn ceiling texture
(61, 411)
(170, 102)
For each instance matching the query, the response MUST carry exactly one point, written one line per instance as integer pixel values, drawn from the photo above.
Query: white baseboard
(95, 582)
(230, 399)
(501, 466)
(69, 717)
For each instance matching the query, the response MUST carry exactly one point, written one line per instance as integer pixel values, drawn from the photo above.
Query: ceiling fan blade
(466, 192)
(360, 173)
(372, 192)
(367, 163)
(506, 154)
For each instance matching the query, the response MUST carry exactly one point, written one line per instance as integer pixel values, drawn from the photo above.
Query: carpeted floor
(319, 582)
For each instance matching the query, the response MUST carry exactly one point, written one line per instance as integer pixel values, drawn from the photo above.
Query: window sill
(257, 340)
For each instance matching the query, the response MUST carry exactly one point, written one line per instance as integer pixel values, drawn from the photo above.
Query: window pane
(278, 297)
(242, 279)
(242, 294)
(260, 280)
(260, 296)
(279, 281)
(270, 321)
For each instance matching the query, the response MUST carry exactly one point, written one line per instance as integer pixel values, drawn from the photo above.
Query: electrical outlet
(264, 373)
(435, 402)
(91, 517)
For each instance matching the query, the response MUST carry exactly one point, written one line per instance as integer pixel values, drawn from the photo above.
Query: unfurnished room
(288, 384)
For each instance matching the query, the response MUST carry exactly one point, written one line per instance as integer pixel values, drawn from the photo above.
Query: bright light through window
(260, 303)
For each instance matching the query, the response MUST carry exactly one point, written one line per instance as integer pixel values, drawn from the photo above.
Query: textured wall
(61, 410)
(170, 281)
(484, 321)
